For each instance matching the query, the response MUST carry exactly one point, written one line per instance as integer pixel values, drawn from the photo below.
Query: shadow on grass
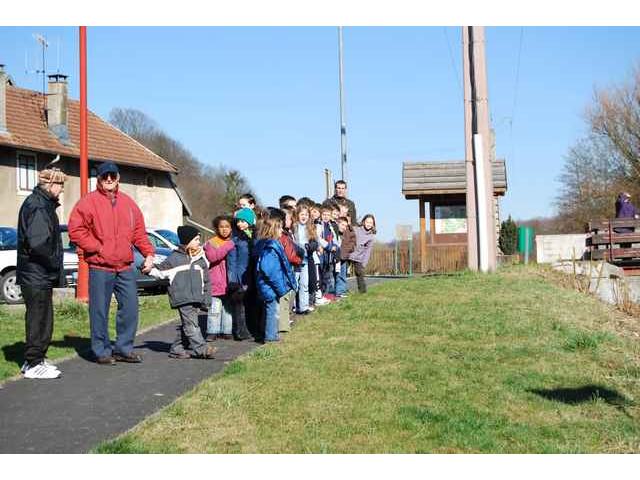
(587, 393)
(82, 346)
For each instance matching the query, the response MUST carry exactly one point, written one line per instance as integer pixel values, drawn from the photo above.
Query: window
(156, 242)
(150, 180)
(27, 171)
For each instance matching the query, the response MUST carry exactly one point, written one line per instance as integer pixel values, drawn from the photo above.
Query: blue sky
(264, 100)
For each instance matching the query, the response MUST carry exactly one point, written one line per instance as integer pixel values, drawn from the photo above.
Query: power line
(515, 94)
(453, 63)
(515, 90)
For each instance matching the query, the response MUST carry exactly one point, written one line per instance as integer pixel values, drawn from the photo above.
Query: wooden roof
(432, 178)
(27, 129)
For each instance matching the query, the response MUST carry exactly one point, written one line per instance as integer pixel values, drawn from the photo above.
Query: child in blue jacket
(273, 273)
(239, 275)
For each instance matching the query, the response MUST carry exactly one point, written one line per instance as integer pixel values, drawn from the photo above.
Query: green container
(525, 240)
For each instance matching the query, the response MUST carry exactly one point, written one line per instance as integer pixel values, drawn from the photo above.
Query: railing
(387, 260)
(613, 240)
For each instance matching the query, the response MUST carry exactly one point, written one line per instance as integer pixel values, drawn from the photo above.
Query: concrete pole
(472, 226)
(477, 123)
(484, 129)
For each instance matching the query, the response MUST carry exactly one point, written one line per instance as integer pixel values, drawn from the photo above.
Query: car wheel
(9, 289)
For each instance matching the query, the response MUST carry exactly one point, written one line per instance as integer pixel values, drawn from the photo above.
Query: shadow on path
(81, 345)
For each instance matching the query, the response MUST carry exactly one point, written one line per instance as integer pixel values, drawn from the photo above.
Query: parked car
(9, 290)
(145, 282)
(163, 238)
(169, 235)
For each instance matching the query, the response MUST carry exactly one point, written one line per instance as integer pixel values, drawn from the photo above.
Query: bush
(508, 237)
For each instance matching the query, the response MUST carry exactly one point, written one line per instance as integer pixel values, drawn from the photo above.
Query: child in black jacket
(189, 291)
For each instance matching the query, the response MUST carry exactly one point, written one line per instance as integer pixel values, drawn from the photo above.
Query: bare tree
(606, 161)
(207, 189)
(589, 180)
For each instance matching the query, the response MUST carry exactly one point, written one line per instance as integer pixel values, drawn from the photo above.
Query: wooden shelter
(443, 186)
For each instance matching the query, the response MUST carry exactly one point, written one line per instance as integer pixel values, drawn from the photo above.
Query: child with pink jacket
(219, 320)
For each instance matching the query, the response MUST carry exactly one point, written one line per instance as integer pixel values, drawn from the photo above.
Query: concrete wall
(553, 248)
(160, 203)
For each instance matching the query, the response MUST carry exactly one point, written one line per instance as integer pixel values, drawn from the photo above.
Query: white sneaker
(25, 365)
(322, 301)
(41, 371)
(49, 364)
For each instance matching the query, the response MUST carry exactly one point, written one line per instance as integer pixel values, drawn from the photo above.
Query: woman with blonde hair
(305, 236)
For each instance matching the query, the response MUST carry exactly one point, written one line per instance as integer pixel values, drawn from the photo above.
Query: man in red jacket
(105, 224)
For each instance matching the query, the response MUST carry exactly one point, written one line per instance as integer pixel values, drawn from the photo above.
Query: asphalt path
(91, 403)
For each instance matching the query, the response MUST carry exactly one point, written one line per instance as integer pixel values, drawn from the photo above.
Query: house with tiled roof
(35, 128)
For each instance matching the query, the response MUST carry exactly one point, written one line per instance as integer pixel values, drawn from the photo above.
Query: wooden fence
(386, 260)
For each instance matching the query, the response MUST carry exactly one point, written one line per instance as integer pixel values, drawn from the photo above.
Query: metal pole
(343, 125)
(395, 258)
(82, 290)
(411, 254)
(328, 184)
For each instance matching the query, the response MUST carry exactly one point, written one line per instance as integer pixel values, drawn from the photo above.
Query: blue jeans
(271, 313)
(102, 284)
(302, 295)
(219, 320)
(341, 279)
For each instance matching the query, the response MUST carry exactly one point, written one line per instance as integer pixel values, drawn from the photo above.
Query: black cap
(107, 167)
(186, 233)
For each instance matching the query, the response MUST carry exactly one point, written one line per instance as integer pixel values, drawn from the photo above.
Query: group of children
(259, 267)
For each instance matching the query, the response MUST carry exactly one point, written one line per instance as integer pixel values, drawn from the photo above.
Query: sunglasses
(109, 176)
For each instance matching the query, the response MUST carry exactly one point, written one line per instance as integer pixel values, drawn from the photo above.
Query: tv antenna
(44, 44)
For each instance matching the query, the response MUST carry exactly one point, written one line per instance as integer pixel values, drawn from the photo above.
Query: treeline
(603, 163)
(208, 190)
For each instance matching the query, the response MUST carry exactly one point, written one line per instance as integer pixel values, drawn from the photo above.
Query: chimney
(57, 107)
(3, 100)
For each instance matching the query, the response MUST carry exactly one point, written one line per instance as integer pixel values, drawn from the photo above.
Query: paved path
(91, 403)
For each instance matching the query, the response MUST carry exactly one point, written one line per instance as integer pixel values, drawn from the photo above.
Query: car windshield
(8, 238)
(169, 235)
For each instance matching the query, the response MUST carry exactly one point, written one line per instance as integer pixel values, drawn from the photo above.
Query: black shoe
(106, 360)
(130, 358)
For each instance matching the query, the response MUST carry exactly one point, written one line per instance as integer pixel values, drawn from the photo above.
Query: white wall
(553, 248)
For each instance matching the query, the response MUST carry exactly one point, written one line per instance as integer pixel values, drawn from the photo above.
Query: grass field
(70, 329)
(465, 363)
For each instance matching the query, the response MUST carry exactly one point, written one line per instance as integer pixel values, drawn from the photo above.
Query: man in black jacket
(340, 196)
(39, 269)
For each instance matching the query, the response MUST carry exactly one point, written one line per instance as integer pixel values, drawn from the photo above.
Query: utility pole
(343, 125)
(481, 233)
(328, 183)
(82, 289)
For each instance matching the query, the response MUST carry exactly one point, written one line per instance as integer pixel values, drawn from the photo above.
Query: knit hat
(51, 175)
(247, 215)
(186, 233)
